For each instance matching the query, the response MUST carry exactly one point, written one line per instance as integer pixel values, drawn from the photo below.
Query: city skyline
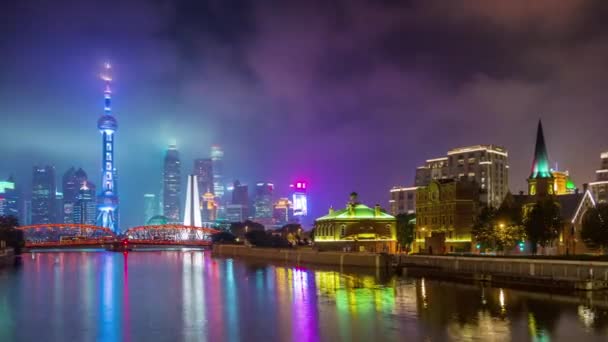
(268, 88)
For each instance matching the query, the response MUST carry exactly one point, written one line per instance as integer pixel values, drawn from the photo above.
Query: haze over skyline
(348, 98)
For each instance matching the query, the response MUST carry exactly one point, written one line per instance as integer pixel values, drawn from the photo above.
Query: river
(192, 296)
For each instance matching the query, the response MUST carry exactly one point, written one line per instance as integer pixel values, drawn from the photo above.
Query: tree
(405, 230)
(483, 227)
(507, 235)
(498, 229)
(594, 231)
(8, 232)
(223, 237)
(543, 223)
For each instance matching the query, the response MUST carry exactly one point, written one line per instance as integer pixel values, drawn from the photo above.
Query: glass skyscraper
(172, 185)
(43, 195)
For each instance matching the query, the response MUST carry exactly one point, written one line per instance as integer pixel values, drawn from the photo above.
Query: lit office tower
(85, 207)
(172, 185)
(43, 195)
(487, 165)
(299, 199)
(107, 203)
(238, 209)
(217, 156)
(599, 188)
(263, 202)
(203, 169)
(150, 207)
(282, 211)
(8, 198)
(71, 183)
(192, 213)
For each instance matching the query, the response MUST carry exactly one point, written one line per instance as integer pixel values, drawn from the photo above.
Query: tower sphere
(107, 123)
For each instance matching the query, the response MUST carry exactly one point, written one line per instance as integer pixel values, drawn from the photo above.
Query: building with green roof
(356, 228)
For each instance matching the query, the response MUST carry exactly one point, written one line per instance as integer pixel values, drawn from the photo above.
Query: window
(108, 147)
(109, 166)
(109, 137)
(108, 156)
(342, 230)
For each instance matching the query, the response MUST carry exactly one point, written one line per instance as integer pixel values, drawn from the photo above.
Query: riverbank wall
(306, 256)
(542, 273)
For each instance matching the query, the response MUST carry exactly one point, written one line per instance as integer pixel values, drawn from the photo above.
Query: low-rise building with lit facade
(445, 212)
(356, 228)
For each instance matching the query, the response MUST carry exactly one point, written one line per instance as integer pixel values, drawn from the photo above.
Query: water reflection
(191, 296)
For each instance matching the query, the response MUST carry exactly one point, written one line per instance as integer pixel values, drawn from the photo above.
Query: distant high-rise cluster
(8, 198)
(172, 185)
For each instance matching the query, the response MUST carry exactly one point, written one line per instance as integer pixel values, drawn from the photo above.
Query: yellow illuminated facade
(356, 228)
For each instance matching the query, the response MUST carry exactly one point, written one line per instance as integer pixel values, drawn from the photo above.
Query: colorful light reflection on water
(191, 296)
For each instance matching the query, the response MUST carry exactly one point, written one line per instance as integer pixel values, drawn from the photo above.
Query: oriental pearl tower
(107, 201)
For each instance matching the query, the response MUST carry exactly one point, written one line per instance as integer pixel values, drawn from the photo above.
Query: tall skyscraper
(487, 165)
(209, 207)
(151, 207)
(263, 202)
(192, 214)
(8, 198)
(43, 195)
(299, 198)
(240, 195)
(107, 206)
(85, 207)
(172, 185)
(217, 157)
(72, 182)
(203, 169)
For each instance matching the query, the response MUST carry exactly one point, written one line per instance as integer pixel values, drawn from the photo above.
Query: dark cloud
(352, 95)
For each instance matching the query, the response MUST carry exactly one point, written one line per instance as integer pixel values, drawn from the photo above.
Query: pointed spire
(540, 165)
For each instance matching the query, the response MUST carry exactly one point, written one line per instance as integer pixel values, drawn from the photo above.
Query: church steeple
(540, 165)
(541, 179)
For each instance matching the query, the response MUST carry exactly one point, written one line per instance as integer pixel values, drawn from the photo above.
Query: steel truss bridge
(82, 235)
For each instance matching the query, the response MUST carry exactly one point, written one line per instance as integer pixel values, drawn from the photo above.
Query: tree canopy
(594, 231)
(405, 229)
(9, 233)
(543, 223)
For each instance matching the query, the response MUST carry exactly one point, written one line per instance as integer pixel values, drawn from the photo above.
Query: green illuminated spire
(540, 166)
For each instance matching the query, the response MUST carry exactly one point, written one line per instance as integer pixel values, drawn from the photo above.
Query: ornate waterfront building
(107, 203)
(356, 228)
(445, 212)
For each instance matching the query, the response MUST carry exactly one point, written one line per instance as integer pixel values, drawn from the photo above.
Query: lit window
(108, 147)
(109, 137)
(108, 156)
(109, 166)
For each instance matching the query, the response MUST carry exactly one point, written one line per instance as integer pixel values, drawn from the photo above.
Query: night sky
(348, 95)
